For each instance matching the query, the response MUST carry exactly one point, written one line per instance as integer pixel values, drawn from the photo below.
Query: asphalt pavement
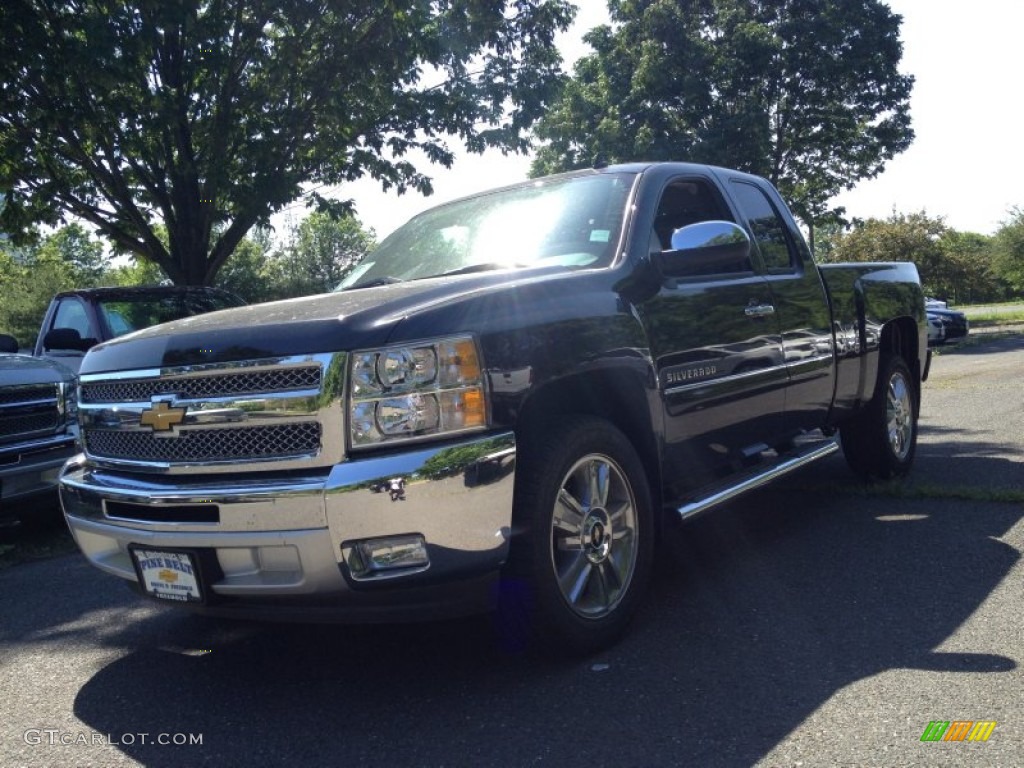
(820, 622)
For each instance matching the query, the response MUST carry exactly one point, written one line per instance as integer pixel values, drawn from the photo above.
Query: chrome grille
(203, 445)
(197, 387)
(280, 413)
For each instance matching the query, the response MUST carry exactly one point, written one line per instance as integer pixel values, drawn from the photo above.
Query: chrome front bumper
(282, 542)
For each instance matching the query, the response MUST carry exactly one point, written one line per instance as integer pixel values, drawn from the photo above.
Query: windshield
(128, 313)
(571, 222)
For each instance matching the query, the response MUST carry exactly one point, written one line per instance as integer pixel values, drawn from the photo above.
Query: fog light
(370, 557)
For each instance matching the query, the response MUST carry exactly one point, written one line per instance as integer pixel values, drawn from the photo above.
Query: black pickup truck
(552, 373)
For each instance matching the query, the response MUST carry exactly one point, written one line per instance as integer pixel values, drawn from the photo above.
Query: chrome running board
(789, 463)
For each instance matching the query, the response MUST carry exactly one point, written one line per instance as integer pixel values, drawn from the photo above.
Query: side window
(769, 229)
(71, 314)
(683, 203)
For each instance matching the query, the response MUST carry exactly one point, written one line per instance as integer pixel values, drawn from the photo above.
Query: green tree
(322, 250)
(826, 238)
(247, 273)
(27, 283)
(968, 258)
(806, 93)
(82, 253)
(915, 237)
(953, 265)
(136, 272)
(313, 258)
(17, 317)
(1008, 250)
(211, 116)
(30, 276)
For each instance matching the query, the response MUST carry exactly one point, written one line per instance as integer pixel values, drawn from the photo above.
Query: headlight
(417, 390)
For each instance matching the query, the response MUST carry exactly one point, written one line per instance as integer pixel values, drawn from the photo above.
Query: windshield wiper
(485, 267)
(374, 283)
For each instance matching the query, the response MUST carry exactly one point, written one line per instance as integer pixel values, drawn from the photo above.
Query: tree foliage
(81, 253)
(806, 93)
(312, 258)
(971, 275)
(210, 116)
(900, 237)
(1008, 250)
(953, 265)
(29, 277)
(136, 272)
(246, 273)
(322, 251)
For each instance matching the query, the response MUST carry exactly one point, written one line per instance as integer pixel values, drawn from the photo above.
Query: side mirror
(706, 248)
(8, 344)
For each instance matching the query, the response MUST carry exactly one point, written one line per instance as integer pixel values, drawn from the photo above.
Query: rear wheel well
(900, 339)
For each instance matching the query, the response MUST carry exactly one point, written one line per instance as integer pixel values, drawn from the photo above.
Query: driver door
(717, 350)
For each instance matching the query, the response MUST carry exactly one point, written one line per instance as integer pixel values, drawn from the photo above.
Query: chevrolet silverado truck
(79, 319)
(555, 374)
(38, 426)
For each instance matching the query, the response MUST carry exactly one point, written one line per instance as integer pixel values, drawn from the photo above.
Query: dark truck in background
(38, 428)
(38, 425)
(79, 319)
(558, 372)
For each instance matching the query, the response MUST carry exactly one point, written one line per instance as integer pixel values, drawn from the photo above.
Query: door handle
(759, 310)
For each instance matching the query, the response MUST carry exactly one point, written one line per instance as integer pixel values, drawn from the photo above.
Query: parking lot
(820, 622)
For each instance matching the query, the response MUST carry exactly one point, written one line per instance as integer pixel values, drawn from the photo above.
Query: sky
(964, 165)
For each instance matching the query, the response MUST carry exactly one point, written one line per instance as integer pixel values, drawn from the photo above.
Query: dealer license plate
(168, 575)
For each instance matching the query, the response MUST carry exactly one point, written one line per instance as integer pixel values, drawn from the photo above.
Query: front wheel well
(618, 396)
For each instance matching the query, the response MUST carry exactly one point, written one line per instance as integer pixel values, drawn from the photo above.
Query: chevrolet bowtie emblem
(161, 417)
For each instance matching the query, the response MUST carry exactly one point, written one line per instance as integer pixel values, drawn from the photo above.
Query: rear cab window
(771, 235)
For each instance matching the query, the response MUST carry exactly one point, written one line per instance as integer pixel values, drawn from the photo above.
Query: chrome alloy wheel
(899, 416)
(594, 536)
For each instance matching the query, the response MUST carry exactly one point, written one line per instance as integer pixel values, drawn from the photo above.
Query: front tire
(881, 440)
(581, 559)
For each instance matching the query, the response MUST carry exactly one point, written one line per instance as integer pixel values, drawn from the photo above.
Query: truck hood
(17, 370)
(347, 320)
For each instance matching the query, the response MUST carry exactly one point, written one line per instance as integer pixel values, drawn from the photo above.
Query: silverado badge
(161, 417)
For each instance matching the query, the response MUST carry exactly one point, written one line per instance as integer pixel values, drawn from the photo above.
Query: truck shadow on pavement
(772, 605)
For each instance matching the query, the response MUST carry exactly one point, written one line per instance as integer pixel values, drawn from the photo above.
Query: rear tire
(880, 441)
(582, 555)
